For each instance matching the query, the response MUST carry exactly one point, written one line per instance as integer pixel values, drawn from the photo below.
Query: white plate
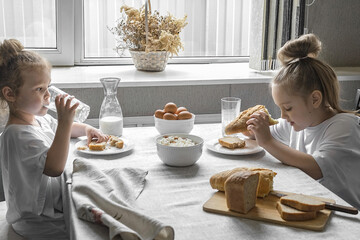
(128, 145)
(251, 147)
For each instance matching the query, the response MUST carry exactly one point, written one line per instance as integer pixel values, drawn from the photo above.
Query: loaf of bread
(232, 142)
(302, 202)
(239, 123)
(291, 214)
(266, 181)
(265, 185)
(95, 146)
(217, 181)
(240, 191)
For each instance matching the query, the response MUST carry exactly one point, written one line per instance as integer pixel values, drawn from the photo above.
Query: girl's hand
(258, 124)
(92, 132)
(64, 111)
(249, 134)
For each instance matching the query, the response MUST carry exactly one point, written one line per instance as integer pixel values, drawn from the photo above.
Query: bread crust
(291, 214)
(302, 202)
(239, 125)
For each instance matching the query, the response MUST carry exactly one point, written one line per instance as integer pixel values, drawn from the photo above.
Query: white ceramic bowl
(180, 156)
(174, 126)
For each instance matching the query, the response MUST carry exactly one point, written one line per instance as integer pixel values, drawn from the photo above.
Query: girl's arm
(58, 152)
(259, 126)
(81, 129)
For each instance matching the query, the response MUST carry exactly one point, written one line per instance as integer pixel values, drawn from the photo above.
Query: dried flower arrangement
(163, 31)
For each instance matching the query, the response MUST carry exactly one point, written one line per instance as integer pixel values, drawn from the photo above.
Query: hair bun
(9, 49)
(302, 47)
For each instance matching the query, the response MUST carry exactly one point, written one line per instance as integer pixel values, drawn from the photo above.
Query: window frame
(63, 54)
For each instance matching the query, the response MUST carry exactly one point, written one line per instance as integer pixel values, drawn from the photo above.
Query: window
(216, 28)
(31, 22)
(72, 32)
(46, 26)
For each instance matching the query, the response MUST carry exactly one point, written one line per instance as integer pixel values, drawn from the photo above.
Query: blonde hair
(14, 62)
(302, 72)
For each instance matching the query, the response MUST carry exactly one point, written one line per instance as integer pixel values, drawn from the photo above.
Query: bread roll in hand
(239, 125)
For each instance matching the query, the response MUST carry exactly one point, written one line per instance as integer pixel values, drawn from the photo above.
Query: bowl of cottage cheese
(179, 150)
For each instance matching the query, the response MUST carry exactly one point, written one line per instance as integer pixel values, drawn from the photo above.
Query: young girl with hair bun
(314, 134)
(34, 146)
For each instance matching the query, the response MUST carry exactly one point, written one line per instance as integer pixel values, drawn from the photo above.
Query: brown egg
(159, 113)
(180, 109)
(170, 107)
(184, 115)
(169, 116)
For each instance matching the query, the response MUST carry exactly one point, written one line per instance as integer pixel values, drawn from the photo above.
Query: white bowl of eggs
(173, 119)
(178, 149)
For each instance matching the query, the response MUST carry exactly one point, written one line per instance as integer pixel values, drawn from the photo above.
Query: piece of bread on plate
(292, 214)
(239, 125)
(95, 146)
(302, 202)
(232, 142)
(240, 191)
(113, 140)
(266, 180)
(119, 143)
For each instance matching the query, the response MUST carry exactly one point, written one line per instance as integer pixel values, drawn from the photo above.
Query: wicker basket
(151, 61)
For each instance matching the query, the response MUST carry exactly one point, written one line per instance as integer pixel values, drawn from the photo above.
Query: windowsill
(173, 75)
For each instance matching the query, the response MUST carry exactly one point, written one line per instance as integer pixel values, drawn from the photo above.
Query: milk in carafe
(110, 117)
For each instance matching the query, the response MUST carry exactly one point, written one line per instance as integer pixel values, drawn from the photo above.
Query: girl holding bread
(314, 134)
(34, 146)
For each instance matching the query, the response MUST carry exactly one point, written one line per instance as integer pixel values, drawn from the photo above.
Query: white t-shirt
(335, 145)
(33, 199)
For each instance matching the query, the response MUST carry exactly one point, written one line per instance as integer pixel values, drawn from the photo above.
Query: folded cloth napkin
(105, 197)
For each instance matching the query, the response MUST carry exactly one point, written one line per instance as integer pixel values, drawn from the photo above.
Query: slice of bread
(291, 214)
(302, 202)
(239, 123)
(232, 142)
(240, 191)
(95, 146)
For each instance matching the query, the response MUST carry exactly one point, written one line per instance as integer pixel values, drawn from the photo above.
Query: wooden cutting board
(265, 210)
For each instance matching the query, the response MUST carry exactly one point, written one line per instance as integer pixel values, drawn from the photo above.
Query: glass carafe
(111, 117)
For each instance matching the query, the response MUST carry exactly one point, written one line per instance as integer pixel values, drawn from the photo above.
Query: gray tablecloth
(175, 196)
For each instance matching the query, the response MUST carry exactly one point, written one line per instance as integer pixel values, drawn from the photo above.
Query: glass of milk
(111, 117)
(230, 109)
(81, 112)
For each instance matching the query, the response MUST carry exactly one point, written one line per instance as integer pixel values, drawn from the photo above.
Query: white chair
(6, 231)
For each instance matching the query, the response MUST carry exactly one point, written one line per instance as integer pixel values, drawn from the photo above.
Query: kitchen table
(175, 195)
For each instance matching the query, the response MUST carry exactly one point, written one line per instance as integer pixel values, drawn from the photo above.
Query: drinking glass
(81, 112)
(230, 109)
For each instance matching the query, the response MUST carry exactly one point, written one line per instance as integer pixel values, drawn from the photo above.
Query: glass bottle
(110, 117)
